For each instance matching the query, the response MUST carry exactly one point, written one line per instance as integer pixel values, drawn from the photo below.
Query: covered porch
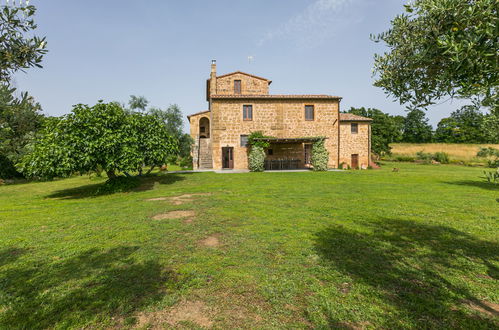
(288, 153)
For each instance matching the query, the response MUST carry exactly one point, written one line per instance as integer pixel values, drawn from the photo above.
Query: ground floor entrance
(227, 157)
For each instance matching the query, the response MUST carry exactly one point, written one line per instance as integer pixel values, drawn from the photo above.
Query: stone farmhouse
(240, 103)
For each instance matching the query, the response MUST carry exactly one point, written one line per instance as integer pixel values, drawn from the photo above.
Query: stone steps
(205, 157)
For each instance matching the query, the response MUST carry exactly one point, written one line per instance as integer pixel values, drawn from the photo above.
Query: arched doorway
(204, 128)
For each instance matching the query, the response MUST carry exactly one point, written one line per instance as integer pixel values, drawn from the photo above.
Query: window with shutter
(309, 112)
(237, 86)
(247, 112)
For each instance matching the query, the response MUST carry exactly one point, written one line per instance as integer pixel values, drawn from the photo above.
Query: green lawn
(416, 248)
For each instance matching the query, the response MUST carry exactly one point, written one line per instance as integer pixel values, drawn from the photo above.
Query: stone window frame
(354, 130)
(247, 116)
(308, 106)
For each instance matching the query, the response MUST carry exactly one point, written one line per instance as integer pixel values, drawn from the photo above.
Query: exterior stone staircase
(205, 158)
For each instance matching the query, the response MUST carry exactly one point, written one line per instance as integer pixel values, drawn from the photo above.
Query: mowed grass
(416, 248)
(457, 152)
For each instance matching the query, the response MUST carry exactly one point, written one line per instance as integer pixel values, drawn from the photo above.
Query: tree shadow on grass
(119, 185)
(409, 266)
(478, 184)
(11, 254)
(92, 287)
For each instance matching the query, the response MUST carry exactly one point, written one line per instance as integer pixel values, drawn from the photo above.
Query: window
(244, 140)
(354, 128)
(270, 152)
(247, 112)
(309, 112)
(203, 129)
(237, 86)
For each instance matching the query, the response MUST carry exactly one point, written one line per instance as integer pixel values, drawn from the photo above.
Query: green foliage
(7, 168)
(492, 154)
(20, 118)
(492, 176)
(490, 128)
(138, 103)
(441, 157)
(256, 143)
(18, 48)
(427, 158)
(385, 129)
(103, 137)
(441, 48)
(172, 118)
(320, 156)
(416, 127)
(463, 126)
(256, 159)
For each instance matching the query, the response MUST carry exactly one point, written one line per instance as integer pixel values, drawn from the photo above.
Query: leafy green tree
(385, 129)
(103, 137)
(19, 50)
(446, 130)
(441, 48)
(20, 118)
(416, 127)
(172, 118)
(463, 126)
(490, 128)
(138, 103)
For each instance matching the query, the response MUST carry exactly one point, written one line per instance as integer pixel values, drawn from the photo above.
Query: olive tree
(441, 48)
(104, 137)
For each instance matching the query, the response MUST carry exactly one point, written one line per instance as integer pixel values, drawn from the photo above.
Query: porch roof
(290, 140)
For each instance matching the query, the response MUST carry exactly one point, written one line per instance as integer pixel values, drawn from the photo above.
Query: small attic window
(237, 86)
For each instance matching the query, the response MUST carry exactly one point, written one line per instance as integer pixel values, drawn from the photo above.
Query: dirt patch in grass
(190, 220)
(178, 200)
(484, 307)
(175, 214)
(210, 241)
(187, 311)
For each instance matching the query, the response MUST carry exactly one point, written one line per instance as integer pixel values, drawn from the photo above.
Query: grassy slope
(360, 248)
(457, 152)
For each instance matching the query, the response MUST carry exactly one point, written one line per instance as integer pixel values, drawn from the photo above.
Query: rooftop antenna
(250, 59)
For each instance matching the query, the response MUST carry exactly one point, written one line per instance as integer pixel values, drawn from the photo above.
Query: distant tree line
(465, 125)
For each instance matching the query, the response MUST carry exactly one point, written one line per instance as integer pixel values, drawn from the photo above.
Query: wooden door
(228, 157)
(355, 161)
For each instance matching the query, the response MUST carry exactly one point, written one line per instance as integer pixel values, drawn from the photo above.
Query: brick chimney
(213, 78)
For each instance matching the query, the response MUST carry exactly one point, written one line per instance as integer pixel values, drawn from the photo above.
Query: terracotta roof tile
(276, 96)
(352, 117)
(197, 113)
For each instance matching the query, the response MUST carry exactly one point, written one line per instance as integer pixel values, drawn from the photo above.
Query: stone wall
(194, 131)
(355, 143)
(249, 85)
(282, 118)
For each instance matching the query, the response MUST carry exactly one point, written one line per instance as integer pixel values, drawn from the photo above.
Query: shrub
(256, 159)
(320, 156)
(492, 177)
(492, 154)
(441, 157)
(427, 157)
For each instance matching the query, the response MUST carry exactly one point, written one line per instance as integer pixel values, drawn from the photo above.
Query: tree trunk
(150, 170)
(110, 174)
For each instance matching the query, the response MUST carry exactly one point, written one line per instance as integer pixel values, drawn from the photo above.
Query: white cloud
(315, 24)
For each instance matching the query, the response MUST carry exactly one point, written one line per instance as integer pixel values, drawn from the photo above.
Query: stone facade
(279, 116)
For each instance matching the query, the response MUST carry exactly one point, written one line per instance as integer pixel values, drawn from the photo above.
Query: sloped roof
(276, 96)
(352, 117)
(198, 113)
(244, 73)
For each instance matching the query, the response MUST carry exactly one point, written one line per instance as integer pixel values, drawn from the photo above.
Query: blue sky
(162, 49)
